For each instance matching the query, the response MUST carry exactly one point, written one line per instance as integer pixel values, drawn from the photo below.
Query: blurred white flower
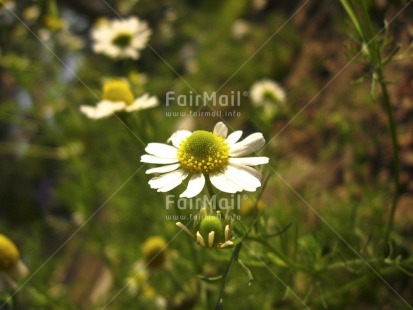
(117, 96)
(138, 278)
(121, 38)
(240, 28)
(160, 303)
(137, 285)
(267, 92)
(44, 34)
(30, 13)
(202, 153)
(258, 5)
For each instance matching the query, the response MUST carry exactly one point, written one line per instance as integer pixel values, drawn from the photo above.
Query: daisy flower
(204, 154)
(121, 38)
(117, 96)
(266, 92)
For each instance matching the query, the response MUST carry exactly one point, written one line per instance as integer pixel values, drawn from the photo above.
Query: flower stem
(378, 62)
(209, 186)
(226, 274)
(210, 191)
(364, 27)
(396, 159)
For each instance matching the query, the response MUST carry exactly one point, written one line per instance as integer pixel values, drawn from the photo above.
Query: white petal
(150, 159)
(143, 102)
(173, 184)
(162, 150)
(242, 178)
(249, 145)
(221, 182)
(211, 237)
(111, 51)
(195, 185)
(226, 244)
(184, 228)
(249, 161)
(102, 109)
(221, 129)
(234, 137)
(248, 169)
(178, 136)
(174, 177)
(227, 233)
(112, 105)
(163, 169)
(91, 112)
(128, 52)
(199, 239)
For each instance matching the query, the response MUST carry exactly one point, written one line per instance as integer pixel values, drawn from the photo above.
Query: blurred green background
(75, 198)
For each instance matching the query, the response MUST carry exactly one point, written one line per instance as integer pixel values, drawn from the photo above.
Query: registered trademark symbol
(245, 93)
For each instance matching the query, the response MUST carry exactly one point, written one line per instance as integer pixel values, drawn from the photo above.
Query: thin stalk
(284, 258)
(371, 43)
(257, 214)
(369, 38)
(350, 11)
(360, 281)
(396, 159)
(234, 257)
(210, 190)
(376, 54)
(235, 253)
(209, 186)
(197, 263)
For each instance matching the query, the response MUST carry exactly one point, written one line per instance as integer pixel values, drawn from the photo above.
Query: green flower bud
(213, 224)
(154, 251)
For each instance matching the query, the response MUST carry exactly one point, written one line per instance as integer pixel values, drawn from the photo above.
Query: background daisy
(266, 92)
(117, 96)
(121, 38)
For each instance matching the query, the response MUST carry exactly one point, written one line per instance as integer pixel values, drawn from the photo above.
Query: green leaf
(210, 279)
(277, 260)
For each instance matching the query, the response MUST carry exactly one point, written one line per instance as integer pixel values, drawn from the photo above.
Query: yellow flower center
(154, 251)
(203, 152)
(122, 40)
(117, 91)
(9, 254)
